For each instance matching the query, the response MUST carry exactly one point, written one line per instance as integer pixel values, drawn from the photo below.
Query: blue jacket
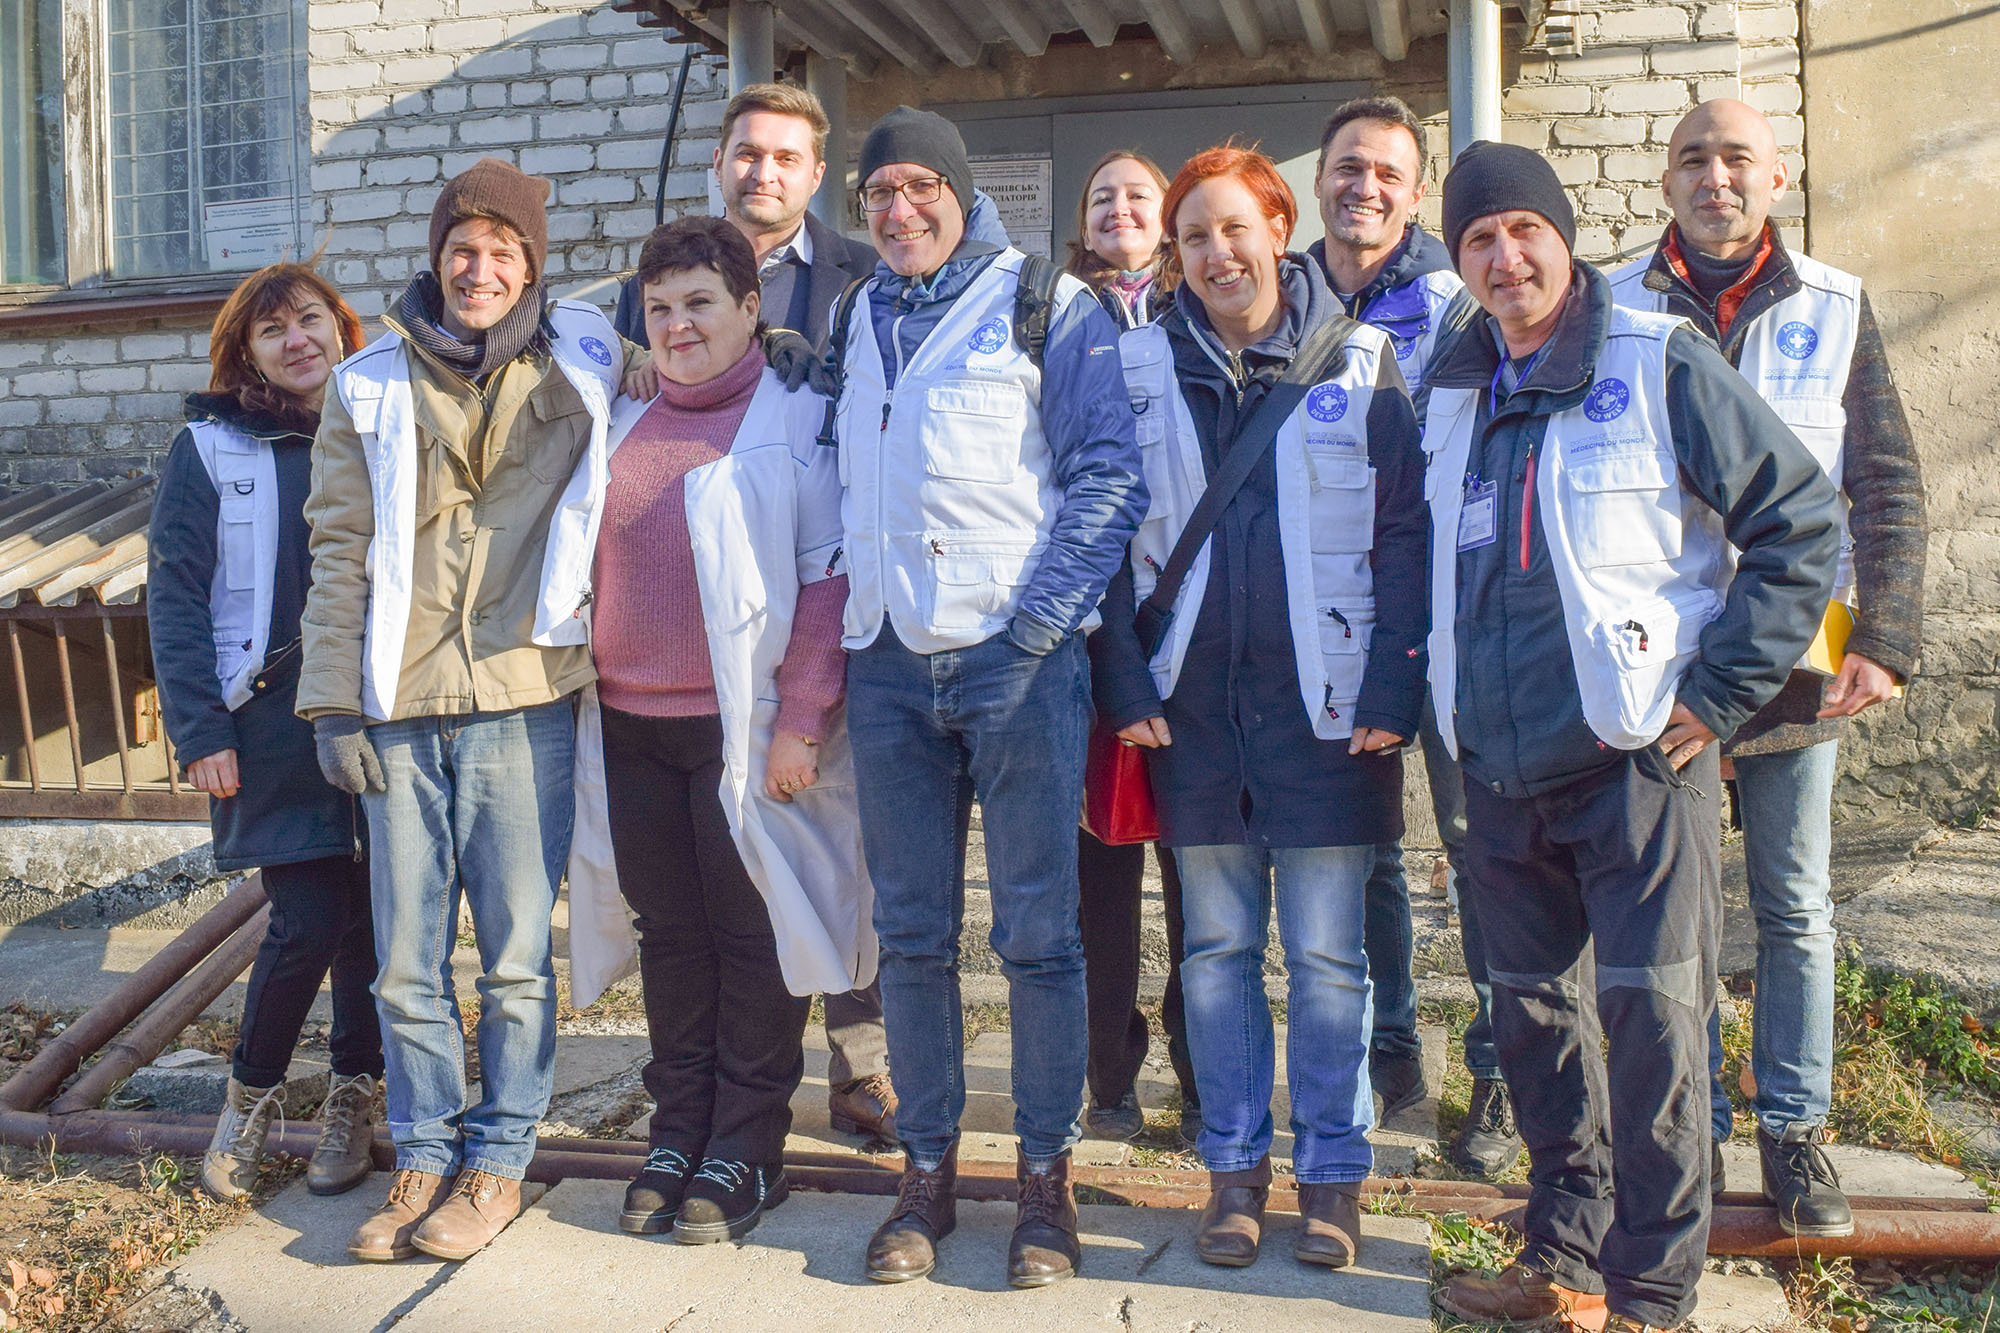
(1086, 415)
(1245, 766)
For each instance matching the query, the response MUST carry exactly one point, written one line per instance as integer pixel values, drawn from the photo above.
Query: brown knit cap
(497, 189)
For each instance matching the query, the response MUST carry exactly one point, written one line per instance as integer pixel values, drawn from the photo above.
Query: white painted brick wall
(406, 93)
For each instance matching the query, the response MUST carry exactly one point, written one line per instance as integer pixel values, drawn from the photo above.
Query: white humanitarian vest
(1326, 518)
(949, 487)
(374, 384)
(245, 475)
(1641, 564)
(763, 521)
(1797, 355)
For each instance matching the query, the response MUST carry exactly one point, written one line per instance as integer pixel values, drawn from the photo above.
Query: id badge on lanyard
(1478, 514)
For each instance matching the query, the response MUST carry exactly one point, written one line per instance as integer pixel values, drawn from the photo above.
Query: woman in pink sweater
(716, 612)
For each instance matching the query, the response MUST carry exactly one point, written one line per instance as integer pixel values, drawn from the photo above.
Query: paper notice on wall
(1019, 186)
(250, 233)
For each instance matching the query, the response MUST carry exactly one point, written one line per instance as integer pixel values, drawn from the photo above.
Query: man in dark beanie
(442, 644)
(1593, 465)
(990, 493)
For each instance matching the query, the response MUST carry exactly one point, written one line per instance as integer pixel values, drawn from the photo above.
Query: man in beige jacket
(443, 643)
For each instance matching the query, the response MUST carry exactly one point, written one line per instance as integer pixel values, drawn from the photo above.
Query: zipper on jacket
(1527, 505)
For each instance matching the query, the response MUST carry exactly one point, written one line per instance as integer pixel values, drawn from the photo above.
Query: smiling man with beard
(444, 639)
(1590, 467)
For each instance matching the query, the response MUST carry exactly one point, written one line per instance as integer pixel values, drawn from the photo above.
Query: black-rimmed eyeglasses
(923, 190)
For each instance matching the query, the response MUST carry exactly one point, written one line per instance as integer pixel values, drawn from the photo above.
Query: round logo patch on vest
(1328, 402)
(1798, 341)
(595, 350)
(1403, 346)
(989, 337)
(1606, 400)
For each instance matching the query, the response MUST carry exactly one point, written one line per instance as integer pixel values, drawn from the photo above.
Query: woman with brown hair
(1120, 248)
(227, 583)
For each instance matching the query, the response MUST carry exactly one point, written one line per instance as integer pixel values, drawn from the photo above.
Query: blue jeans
(1226, 894)
(1786, 801)
(479, 805)
(930, 733)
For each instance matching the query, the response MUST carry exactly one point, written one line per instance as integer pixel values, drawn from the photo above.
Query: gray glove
(798, 364)
(346, 759)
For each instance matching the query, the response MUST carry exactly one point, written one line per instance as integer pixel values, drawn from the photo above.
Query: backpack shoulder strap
(836, 353)
(1034, 302)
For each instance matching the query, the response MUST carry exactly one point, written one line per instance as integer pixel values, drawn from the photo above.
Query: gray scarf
(421, 311)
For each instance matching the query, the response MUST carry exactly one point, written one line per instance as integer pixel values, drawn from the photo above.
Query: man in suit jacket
(771, 160)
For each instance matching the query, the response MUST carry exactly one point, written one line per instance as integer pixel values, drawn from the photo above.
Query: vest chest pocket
(975, 432)
(1156, 457)
(1342, 511)
(237, 532)
(1625, 509)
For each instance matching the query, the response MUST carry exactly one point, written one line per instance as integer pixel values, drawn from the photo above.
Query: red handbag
(1118, 792)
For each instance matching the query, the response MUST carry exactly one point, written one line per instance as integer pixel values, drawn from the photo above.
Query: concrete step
(802, 1269)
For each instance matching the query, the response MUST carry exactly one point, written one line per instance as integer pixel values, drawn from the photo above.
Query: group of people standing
(732, 619)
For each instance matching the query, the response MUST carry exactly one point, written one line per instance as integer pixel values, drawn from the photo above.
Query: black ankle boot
(1801, 1183)
(725, 1200)
(654, 1195)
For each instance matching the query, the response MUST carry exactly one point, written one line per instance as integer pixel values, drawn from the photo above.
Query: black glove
(798, 364)
(346, 759)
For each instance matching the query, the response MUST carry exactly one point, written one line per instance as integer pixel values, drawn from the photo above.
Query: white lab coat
(763, 520)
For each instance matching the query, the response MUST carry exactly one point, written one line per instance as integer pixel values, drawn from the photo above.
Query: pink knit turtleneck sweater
(646, 627)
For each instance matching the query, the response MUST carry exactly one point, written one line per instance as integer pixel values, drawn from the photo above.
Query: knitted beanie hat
(1492, 178)
(924, 139)
(492, 188)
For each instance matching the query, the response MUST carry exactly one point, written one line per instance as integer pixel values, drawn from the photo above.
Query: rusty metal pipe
(69, 702)
(27, 716)
(117, 703)
(37, 1080)
(174, 1011)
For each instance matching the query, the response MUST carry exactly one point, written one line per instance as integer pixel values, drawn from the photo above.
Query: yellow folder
(1829, 646)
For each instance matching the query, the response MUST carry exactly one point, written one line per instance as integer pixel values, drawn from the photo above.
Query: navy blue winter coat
(285, 811)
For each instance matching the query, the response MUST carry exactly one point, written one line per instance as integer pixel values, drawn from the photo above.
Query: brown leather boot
(480, 1207)
(346, 1134)
(1519, 1295)
(1232, 1221)
(385, 1235)
(866, 1107)
(905, 1246)
(1332, 1231)
(1044, 1248)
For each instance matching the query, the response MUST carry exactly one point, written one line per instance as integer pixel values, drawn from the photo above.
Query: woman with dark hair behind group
(1120, 250)
(227, 582)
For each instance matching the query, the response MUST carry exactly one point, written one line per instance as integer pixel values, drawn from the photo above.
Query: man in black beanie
(1592, 467)
(990, 494)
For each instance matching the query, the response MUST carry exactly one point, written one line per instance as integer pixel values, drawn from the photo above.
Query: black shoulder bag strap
(1318, 355)
(836, 353)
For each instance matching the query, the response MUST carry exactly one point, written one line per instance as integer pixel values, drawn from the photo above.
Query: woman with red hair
(1275, 684)
(226, 589)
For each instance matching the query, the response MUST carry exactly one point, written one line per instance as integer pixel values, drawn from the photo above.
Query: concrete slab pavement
(802, 1268)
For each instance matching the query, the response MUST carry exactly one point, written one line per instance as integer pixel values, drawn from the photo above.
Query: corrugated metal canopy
(921, 35)
(57, 546)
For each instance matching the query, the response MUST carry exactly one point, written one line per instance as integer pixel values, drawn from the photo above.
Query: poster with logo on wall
(1019, 185)
(250, 233)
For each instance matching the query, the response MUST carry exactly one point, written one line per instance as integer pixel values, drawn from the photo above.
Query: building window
(31, 101)
(202, 124)
(161, 139)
